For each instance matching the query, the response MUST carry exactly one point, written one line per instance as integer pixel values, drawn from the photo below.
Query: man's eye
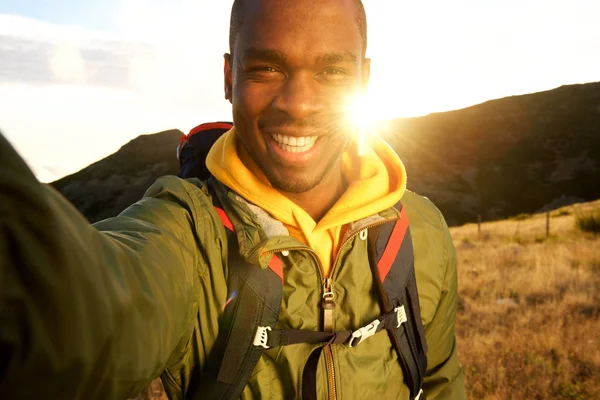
(334, 72)
(263, 73)
(333, 76)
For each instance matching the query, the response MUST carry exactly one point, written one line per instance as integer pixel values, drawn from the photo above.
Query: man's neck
(319, 200)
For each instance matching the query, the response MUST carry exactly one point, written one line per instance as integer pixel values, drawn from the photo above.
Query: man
(98, 312)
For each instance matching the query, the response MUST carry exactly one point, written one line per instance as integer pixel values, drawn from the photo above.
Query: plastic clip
(261, 337)
(400, 315)
(363, 333)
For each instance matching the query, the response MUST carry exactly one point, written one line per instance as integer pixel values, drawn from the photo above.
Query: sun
(361, 116)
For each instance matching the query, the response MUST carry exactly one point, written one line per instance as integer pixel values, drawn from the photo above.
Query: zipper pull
(328, 305)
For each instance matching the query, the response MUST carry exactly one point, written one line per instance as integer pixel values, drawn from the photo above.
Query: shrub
(521, 217)
(588, 221)
(561, 213)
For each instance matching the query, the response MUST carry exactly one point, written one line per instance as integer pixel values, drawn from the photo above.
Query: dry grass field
(528, 323)
(529, 315)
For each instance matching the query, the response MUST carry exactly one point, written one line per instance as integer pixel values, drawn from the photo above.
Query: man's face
(293, 67)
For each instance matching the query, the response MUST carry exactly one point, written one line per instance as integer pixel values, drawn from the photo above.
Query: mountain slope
(504, 157)
(107, 187)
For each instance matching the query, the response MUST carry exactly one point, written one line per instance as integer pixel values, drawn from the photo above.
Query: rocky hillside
(504, 157)
(107, 187)
(500, 158)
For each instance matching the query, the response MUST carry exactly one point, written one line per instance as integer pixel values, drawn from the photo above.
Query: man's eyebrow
(255, 53)
(333, 58)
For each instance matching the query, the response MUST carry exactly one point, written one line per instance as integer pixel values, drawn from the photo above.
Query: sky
(78, 79)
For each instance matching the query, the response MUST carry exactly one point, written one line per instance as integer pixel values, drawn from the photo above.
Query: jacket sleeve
(444, 376)
(90, 312)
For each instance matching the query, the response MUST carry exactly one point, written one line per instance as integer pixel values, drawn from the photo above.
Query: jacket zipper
(330, 372)
(328, 304)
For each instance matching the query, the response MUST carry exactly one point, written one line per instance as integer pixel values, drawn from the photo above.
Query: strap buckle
(363, 333)
(401, 317)
(261, 337)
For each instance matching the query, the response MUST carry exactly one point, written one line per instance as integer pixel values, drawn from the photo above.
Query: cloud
(159, 54)
(80, 57)
(67, 64)
(70, 96)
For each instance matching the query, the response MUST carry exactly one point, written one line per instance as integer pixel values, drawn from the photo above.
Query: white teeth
(295, 144)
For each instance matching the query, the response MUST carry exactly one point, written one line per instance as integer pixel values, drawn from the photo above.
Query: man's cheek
(251, 100)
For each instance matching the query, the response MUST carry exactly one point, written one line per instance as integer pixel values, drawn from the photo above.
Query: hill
(505, 157)
(514, 155)
(107, 187)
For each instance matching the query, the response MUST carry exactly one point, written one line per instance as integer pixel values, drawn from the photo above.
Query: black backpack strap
(252, 307)
(247, 326)
(392, 263)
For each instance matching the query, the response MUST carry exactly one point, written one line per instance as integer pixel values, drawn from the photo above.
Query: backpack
(247, 326)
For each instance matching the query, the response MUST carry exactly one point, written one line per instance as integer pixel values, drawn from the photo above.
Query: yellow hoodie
(376, 181)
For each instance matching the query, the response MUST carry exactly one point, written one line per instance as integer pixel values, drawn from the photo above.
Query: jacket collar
(260, 235)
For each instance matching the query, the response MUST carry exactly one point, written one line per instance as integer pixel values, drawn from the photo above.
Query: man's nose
(299, 96)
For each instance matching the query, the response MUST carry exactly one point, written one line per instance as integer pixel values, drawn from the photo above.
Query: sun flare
(361, 117)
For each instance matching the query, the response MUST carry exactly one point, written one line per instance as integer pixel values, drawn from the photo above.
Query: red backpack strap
(393, 245)
(225, 219)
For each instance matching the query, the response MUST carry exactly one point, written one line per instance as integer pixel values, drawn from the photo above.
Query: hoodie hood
(376, 181)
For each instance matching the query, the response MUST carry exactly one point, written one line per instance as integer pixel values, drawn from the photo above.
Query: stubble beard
(300, 185)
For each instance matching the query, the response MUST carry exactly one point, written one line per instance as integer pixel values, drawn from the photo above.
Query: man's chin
(293, 184)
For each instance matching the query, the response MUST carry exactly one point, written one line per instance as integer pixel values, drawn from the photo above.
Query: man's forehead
(268, 21)
(293, 25)
(324, 57)
(296, 8)
(251, 5)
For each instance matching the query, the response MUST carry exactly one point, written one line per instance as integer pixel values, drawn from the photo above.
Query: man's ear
(366, 73)
(228, 76)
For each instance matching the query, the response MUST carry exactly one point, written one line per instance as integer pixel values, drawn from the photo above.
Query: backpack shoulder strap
(392, 262)
(247, 325)
(253, 303)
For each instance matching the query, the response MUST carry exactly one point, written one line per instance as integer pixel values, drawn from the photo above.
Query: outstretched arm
(90, 312)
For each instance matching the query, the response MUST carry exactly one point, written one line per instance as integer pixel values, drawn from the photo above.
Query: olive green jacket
(97, 312)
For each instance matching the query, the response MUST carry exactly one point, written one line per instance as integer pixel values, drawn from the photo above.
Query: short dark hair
(237, 12)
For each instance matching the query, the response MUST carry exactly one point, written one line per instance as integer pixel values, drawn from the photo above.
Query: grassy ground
(528, 324)
(529, 315)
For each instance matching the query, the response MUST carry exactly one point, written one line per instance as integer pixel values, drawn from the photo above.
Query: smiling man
(288, 77)
(291, 305)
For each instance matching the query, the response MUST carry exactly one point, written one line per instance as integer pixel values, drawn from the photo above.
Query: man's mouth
(294, 144)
